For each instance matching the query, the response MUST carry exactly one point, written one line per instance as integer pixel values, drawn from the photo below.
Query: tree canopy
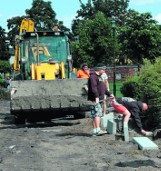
(5, 66)
(140, 37)
(137, 35)
(4, 50)
(147, 88)
(95, 41)
(110, 8)
(41, 13)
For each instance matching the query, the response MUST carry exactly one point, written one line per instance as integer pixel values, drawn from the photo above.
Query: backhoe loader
(42, 74)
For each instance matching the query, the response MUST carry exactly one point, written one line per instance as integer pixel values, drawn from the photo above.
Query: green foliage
(150, 79)
(150, 83)
(118, 86)
(14, 27)
(42, 14)
(95, 37)
(2, 82)
(140, 37)
(147, 88)
(130, 87)
(109, 8)
(4, 50)
(4, 94)
(5, 66)
(101, 48)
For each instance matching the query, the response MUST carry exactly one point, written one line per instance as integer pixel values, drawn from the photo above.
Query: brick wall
(122, 72)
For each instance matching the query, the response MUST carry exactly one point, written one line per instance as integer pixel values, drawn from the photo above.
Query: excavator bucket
(64, 94)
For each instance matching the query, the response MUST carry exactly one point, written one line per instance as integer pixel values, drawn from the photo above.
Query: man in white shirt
(105, 80)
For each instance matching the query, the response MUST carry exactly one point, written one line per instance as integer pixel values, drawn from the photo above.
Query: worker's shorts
(118, 107)
(96, 110)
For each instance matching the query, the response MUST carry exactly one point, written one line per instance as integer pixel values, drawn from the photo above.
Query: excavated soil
(65, 144)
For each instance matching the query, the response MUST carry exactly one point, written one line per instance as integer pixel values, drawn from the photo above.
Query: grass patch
(118, 86)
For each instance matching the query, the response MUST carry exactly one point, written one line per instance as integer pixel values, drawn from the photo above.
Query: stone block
(111, 127)
(104, 119)
(103, 122)
(144, 143)
(126, 132)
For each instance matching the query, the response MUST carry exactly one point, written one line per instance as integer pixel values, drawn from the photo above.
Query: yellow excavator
(43, 77)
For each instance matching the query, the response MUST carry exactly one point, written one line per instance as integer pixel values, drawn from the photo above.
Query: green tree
(140, 37)
(4, 50)
(110, 8)
(14, 27)
(117, 9)
(147, 87)
(43, 15)
(138, 34)
(5, 66)
(95, 37)
(150, 84)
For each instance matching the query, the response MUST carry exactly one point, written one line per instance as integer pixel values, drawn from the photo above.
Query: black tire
(20, 119)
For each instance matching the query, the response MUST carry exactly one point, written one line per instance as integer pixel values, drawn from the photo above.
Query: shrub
(5, 66)
(150, 84)
(2, 82)
(130, 87)
(147, 88)
(4, 94)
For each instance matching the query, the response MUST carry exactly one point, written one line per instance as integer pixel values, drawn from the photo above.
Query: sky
(66, 9)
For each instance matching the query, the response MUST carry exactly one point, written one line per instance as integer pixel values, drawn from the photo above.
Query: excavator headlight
(23, 60)
(32, 34)
(69, 57)
(57, 33)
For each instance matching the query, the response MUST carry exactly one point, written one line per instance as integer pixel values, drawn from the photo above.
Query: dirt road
(66, 145)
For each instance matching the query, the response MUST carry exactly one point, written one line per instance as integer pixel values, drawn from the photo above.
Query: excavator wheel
(20, 119)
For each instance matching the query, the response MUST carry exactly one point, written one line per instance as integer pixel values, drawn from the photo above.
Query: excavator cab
(44, 55)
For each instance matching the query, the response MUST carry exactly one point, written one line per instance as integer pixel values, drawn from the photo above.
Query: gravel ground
(66, 145)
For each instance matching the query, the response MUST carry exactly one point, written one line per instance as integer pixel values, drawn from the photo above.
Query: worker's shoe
(93, 133)
(101, 132)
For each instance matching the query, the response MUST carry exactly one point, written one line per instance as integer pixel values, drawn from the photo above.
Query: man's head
(84, 67)
(145, 106)
(100, 68)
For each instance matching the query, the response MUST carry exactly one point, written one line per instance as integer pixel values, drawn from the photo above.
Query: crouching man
(130, 107)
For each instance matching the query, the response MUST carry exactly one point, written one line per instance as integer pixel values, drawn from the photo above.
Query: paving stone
(111, 127)
(144, 143)
(104, 119)
(126, 132)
